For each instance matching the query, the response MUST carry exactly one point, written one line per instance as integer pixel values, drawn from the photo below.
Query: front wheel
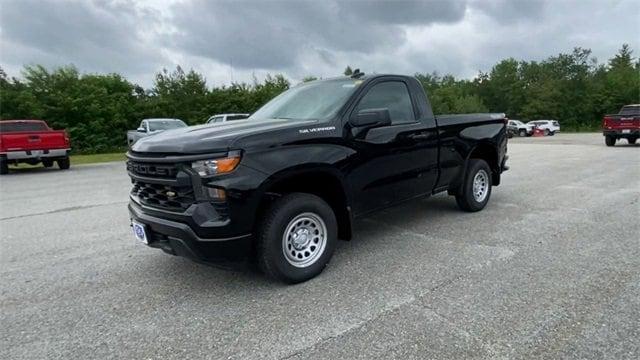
(523, 133)
(551, 133)
(297, 238)
(476, 189)
(546, 132)
(609, 140)
(47, 163)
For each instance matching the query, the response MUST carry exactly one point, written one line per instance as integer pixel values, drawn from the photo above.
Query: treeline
(97, 109)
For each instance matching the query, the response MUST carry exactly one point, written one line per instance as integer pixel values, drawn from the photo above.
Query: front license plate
(626, 131)
(139, 232)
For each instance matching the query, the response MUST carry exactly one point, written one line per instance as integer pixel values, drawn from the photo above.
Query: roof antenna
(357, 74)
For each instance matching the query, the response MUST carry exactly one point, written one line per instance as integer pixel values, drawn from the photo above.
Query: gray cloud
(96, 35)
(234, 39)
(272, 34)
(511, 11)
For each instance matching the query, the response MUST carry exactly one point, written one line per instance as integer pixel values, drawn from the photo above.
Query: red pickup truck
(32, 142)
(623, 125)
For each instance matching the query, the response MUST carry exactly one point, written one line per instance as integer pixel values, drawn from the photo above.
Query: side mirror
(142, 129)
(370, 118)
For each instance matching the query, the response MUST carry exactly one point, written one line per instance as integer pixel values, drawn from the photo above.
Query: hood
(211, 137)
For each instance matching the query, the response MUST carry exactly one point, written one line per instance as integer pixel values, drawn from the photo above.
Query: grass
(81, 159)
(97, 158)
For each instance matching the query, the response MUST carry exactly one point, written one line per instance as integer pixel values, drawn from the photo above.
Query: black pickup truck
(281, 187)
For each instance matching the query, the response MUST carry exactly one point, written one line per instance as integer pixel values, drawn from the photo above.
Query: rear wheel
(609, 140)
(297, 238)
(546, 132)
(522, 133)
(4, 167)
(47, 163)
(64, 163)
(476, 189)
(632, 140)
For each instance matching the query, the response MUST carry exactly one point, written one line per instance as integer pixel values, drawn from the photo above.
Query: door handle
(420, 136)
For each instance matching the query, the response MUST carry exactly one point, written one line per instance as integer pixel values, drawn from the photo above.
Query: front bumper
(178, 238)
(37, 154)
(619, 133)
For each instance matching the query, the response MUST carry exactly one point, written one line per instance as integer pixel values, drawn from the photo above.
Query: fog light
(217, 194)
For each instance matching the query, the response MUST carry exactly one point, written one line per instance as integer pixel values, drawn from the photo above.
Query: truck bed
(455, 119)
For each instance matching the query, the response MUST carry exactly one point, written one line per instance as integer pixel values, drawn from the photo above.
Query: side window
(392, 95)
(144, 125)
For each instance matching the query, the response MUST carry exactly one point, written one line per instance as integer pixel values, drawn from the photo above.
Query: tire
(477, 170)
(4, 167)
(546, 132)
(64, 163)
(632, 140)
(609, 140)
(551, 133)
(47, 163)
(305, 214)
(522, 133)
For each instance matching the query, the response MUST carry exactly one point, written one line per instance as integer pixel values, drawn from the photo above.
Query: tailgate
(43, 140)
(622, 122)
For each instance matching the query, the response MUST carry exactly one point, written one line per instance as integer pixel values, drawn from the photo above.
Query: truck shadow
(31, 170)
(371, 235)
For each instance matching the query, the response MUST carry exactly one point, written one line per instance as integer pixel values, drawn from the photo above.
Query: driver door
(397, 161)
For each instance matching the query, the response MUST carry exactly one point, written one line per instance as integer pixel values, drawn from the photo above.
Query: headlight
(217, 166)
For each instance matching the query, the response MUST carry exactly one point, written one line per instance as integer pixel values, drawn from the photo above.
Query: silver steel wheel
(480, 186)
(304, 240)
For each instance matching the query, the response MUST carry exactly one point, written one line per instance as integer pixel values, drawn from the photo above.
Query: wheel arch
(321, 180)
(489, 153)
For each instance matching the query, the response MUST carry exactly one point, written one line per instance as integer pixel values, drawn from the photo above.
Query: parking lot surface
(550, 269)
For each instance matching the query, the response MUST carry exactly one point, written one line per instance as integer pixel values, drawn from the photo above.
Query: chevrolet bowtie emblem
(170, 194)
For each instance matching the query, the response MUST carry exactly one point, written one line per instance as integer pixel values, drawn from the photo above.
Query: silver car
(151, 127)
(226, 117)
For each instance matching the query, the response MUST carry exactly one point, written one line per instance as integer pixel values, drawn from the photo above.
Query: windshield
(11, 126)
(313, 100)
(165, 124)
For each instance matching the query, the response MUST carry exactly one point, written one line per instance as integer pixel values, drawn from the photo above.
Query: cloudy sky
(231, 40)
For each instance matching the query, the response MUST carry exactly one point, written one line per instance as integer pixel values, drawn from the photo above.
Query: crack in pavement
(71, 208)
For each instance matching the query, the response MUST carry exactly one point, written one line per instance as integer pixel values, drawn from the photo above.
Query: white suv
(550, 127)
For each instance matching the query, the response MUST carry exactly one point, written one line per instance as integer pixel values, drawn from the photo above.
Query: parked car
(623, 125)
(287, 184)
(226, 117)
(32, 142)
(150, 127)
(518, 128)
(549, 127)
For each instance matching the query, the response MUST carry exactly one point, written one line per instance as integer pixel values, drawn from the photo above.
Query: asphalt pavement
(550, 269)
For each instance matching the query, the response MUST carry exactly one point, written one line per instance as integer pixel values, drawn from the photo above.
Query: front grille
(173, 198)
(165, 171)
